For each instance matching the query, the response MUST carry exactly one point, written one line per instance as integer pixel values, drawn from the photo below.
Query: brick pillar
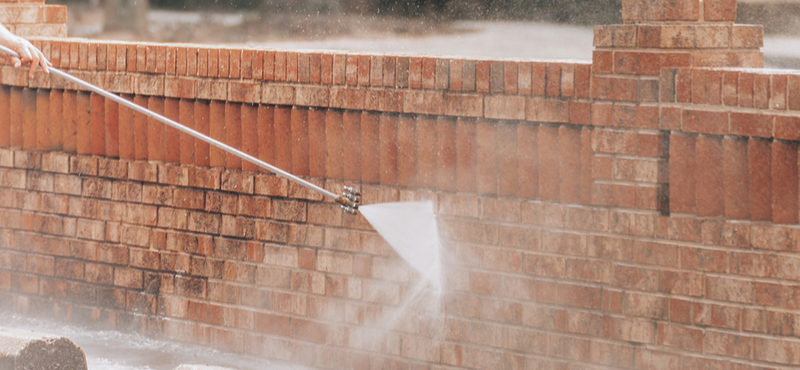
(631, 136)
(677, 33)
(29, 18)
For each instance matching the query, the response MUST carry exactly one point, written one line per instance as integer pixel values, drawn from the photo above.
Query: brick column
(29, 18)
(677, 33)
(630, 139)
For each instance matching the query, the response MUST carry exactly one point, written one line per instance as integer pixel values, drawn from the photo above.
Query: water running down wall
(637, 212)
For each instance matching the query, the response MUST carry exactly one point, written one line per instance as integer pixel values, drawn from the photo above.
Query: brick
(334, 136)
(707, 87)
(42, 120)
(735, 169)
(233, 133)
(504, 107)
(787, 128)
(614, 88)
(682, 173)
(582, 80)
(351, 70)
(710, 201)
(468, 75)
(426, 151)
(719, 10)
(648, 63)
(569, 150)
(749, 124)
(527, 144)
(683, 85)
(447, 157)
(784, 182)
(730, 88)
(507, 160)
(201, 123)
(258, 64)
(235, 64)
(744, 59)
(681, 337)
(466, 156)
(424, 102)
(711, 36)
(776, 351)
(352, 155)
(546, 110)
(97, 125)
(213, 68)
(761, 91)
(224, 63)
(442, 81)
(705, 122)
(156, 138)
(777, 96)
(482, 76)
(747, 36)
(216, 114)
(730, 290)
(249, 134)
(760, 179)
(337, 71)
(5, 120)
(314, 68)
(292, 67)
(407, 145)
(370, 153)
(603, 36)
(15, 122)
(549, 166)
(746, 91)
(29, 108)
(300, 143)
(269, 66)
(428, 73)
(486, 157)
(389, 71)
(553, 84)
(463, 105)
(602, 62)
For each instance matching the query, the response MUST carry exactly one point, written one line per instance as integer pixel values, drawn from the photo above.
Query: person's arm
(27, 52)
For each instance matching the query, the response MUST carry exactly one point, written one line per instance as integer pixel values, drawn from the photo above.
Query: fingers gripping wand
(349, 200)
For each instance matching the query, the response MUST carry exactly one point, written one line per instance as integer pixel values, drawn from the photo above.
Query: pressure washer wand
(349, 200)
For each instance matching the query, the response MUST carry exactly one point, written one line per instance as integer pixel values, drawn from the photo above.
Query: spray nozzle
(349, 200)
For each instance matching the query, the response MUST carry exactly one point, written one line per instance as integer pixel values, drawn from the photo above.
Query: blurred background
(554, 29)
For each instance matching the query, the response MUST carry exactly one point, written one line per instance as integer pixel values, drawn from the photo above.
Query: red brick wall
(637, 212)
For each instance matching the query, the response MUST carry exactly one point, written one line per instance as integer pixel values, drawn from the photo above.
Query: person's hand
(27, 54)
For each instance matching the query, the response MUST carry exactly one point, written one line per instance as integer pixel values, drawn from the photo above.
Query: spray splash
(410, 228)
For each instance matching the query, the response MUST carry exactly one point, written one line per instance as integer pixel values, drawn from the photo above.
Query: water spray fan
(348, 200)
(409, 227)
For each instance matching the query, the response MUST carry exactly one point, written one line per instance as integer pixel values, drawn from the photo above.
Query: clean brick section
(637, 212)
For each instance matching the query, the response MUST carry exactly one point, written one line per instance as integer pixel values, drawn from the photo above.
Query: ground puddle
(410, 228)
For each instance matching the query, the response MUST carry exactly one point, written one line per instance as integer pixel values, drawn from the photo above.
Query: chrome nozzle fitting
(349, 200)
